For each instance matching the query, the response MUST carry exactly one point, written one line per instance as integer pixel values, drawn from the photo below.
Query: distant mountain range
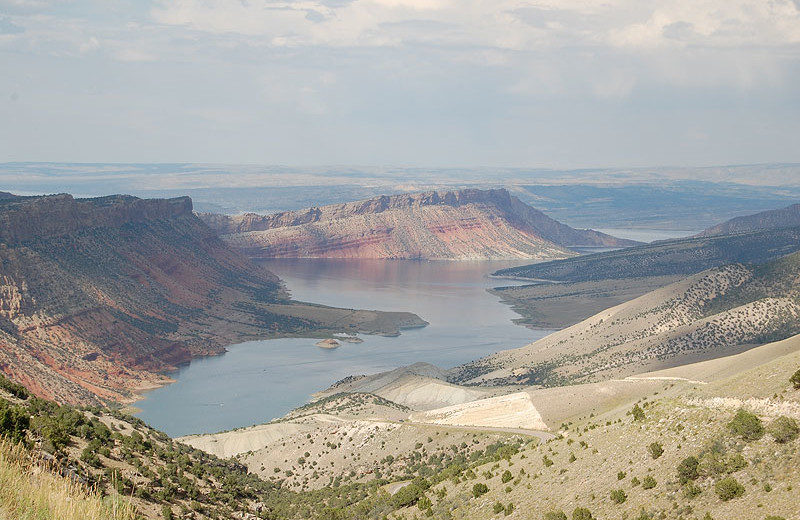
(774, 219)
(593, 282)
(455, 225)
(100, 296)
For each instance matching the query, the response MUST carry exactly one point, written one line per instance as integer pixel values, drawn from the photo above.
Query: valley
(101, 296)
(649, 374)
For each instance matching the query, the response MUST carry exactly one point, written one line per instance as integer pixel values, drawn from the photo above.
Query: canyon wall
(454, 225)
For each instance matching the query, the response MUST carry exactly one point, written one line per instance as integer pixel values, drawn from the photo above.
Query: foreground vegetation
(690, 451)
(668, 456)
(30, 489)
(122, 459)
(678, 461)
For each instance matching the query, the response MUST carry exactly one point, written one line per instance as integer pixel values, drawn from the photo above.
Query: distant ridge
(773, 219)
(456, 225)
(680, 256)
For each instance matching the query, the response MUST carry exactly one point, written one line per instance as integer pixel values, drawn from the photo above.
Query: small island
(328, 343)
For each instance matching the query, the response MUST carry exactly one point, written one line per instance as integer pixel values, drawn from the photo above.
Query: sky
(552, 83)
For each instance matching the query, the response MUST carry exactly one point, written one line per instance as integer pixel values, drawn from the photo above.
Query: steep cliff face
(99, 296)
(37, 218)
(466, 224)
(778, 218)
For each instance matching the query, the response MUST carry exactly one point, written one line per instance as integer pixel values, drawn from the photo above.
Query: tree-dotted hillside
(726, 450)
(712, 314)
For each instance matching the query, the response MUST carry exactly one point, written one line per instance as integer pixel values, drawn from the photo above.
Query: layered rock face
(456, 225)
(100, 296)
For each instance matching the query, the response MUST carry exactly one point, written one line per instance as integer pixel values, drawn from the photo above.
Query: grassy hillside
(125, 461)
(29, 490)
(678, 453)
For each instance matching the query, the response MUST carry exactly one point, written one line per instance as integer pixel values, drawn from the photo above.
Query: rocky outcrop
(99, 297)
(778, 218)
(465, 224)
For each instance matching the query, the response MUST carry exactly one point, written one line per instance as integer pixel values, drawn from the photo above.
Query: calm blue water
(258, 381)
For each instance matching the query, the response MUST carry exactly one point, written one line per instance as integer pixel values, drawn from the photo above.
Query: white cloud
(502, 24)
(440, 78)
(28, 6)
(89, 45)
(716, 23)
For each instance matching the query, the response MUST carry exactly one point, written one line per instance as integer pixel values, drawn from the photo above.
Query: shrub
(795, 380)
(735, 463)
(479, 489)
(509, 508)
(407, 496)
(728, 488)
(746, 425)
(618, 496)
(14, 422)
(498, 508)
(506, 477)
(555, 515)
(648, 482)
(784, 429)
(637, 412)
(655, 449)
(635, 481)
(581, 513)
(687, 469)
(691, 490)
(774, 517)
(19, 391)
(621, 475)
(424, 503)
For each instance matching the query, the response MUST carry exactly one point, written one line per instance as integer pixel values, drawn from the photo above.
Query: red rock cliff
(101, 296)
(464, 224)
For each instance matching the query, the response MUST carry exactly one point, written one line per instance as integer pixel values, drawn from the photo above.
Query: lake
(257, 381)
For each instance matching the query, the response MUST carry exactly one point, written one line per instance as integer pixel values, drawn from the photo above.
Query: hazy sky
(560, 83)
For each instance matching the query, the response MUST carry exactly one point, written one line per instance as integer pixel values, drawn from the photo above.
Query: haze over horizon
(402, 82)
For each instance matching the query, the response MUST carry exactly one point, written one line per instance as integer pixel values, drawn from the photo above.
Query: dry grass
(29, 491)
